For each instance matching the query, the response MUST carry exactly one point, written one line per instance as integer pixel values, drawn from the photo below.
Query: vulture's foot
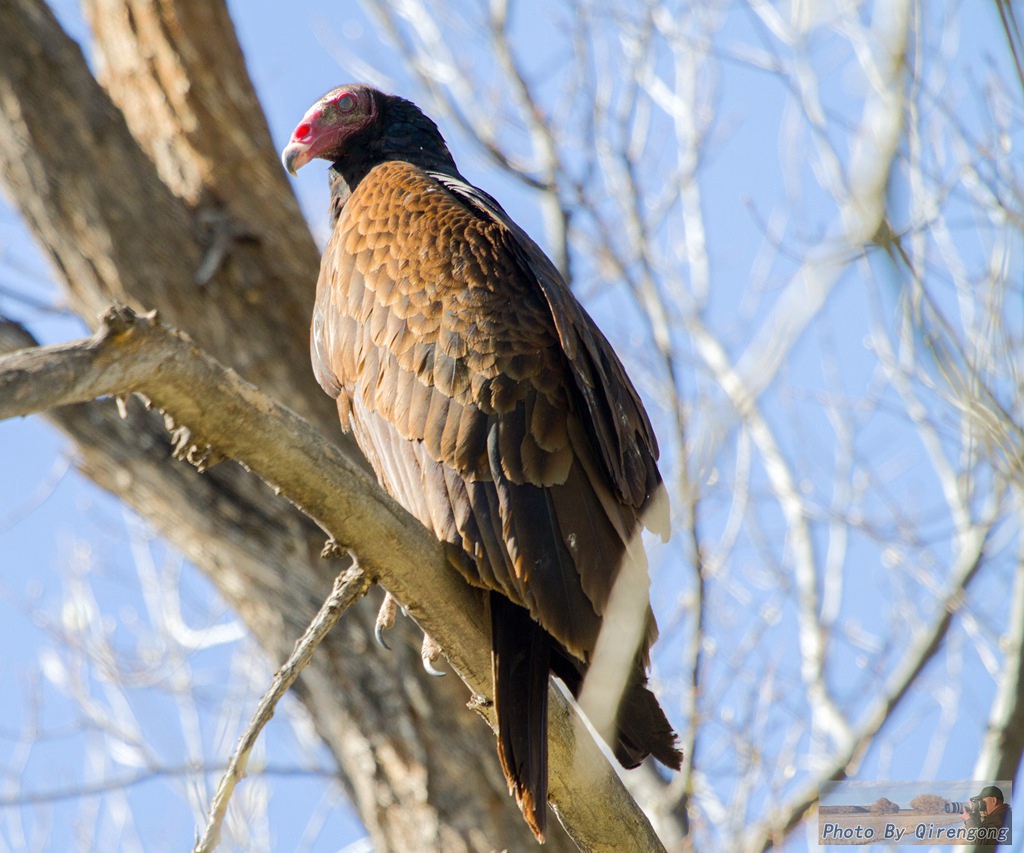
(428, 652)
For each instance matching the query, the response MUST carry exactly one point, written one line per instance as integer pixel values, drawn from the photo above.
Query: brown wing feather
(615, 417)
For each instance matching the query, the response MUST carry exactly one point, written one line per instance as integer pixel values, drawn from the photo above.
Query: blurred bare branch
(348, 586)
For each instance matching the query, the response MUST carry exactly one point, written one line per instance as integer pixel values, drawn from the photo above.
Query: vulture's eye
(345, 103)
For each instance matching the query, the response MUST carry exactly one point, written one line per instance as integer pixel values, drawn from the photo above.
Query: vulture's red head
(358, 123)
(329, 124)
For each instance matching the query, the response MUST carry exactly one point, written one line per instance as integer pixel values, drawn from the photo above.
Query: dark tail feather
(641, 727)
(521, 654)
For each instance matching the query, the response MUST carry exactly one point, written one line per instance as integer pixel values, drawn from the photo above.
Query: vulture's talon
(430, 669)
(428, 652)
(385, 619)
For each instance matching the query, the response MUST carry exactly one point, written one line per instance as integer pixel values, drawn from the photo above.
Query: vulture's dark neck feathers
(401, 132)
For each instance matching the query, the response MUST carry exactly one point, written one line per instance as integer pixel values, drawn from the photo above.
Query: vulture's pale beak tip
(294, 157)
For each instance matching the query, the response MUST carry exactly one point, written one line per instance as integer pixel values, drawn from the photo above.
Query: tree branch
(367, 704)
(228, 416)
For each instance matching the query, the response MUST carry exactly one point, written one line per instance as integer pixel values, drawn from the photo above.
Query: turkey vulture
(492, 408)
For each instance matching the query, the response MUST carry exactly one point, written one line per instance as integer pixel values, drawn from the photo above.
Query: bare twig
(120, 783)
(348, 587)
(1003, 746)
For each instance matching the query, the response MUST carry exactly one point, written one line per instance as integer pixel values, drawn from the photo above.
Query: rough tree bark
(178, 203)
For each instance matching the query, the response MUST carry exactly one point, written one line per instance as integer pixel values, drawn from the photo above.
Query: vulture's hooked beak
(295, 155)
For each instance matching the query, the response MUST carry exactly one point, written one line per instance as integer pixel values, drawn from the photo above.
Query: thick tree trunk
(191, 215)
